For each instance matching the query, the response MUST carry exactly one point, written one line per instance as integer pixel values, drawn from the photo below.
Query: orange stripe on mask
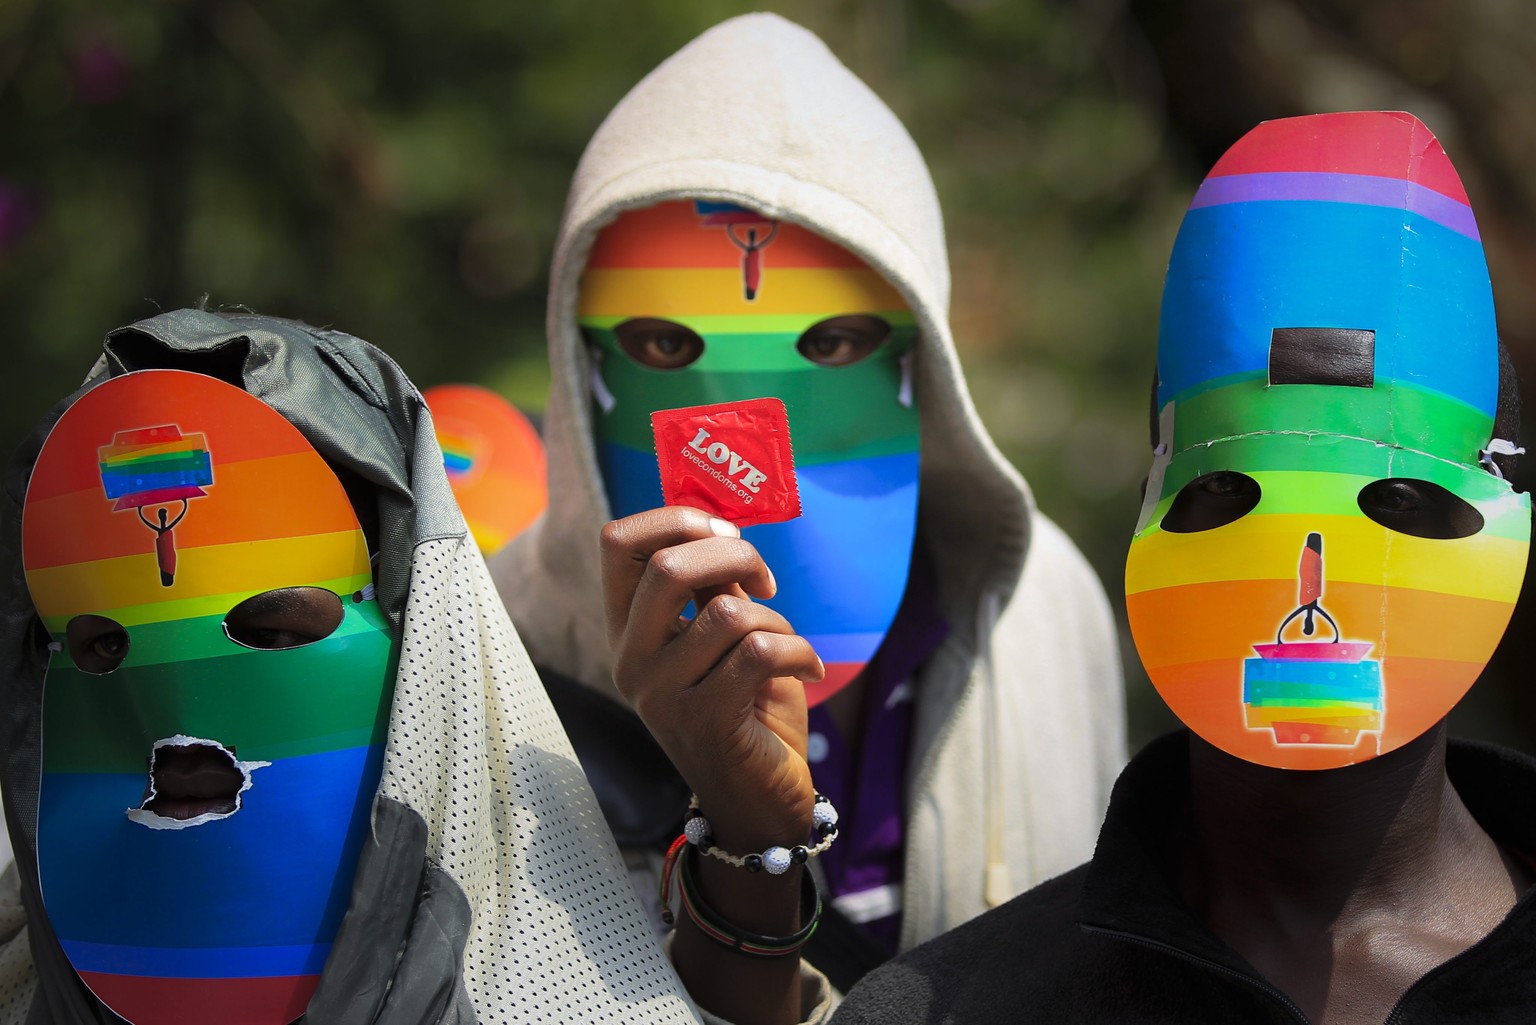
(1209, 699)
(226, 425)
(244, 504)
(1184, 624)
(675, 235)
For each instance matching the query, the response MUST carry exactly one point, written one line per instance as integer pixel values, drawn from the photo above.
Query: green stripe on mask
(835, 413)
(187, 640)
(1391, 412)
(326, 696)
(1298, 474)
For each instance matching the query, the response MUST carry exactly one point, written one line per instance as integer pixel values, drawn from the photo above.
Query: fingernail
(773, 585)
(723, 528)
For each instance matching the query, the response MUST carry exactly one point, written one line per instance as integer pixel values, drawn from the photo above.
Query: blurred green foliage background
(397, 169)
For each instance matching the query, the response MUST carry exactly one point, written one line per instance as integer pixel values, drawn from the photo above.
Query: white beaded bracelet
(776, 860)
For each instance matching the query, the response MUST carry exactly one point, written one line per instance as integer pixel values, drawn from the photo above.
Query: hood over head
(464, 906)
(757, 113)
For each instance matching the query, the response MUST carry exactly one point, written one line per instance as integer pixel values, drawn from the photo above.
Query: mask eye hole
(659, 344)
(1419, 508)
(1212, 500)
(843, 341)
(289, 617)
(97, 644)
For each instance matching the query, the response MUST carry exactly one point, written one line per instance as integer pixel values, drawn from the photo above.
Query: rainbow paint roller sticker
(750, 240)
(157, 466)
(1313, 692)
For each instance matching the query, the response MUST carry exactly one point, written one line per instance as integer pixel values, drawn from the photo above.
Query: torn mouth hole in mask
(192, 781)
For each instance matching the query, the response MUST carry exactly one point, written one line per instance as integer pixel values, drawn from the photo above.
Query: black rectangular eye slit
(1322, 355)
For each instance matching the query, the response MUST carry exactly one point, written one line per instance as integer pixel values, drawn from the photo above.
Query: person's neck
(1314, 839)
(1305, 872)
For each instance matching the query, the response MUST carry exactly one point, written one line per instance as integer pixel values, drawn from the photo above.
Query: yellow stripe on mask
(675, 294)
(1355, 550)
(198, 608)
(131, 584)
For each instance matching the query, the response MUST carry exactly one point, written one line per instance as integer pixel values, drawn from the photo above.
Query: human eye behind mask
(659, 344)
(98, 644)
(288, 617)
(843, 341)
(1419, 508)
(1212, 500)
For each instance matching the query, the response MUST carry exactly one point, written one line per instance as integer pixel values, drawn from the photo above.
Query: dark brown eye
(843, 341)
(1419, 508)
(1212, 500)
(659, 344)
(97, 644)
(290, 617)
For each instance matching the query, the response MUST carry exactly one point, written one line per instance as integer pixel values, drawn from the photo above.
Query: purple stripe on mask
(1325, 187)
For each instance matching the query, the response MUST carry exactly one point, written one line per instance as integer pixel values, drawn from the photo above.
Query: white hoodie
(1020, 724)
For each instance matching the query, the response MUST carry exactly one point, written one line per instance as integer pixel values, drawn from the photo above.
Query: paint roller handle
(1309, 573)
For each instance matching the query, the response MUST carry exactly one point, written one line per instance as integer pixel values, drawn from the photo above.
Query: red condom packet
(731, 459)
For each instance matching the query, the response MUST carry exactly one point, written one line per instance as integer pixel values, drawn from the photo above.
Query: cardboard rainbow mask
(178, 536)
(1326, 557)
(745, 290)
(494, 459)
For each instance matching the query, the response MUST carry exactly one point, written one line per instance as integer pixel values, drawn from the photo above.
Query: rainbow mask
(748, 289)
(210, 889)
(494, 458)
(1323, 563)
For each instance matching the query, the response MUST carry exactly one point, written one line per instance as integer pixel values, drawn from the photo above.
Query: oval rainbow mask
(1324, 561)
(494, 459)
(203, 799)
(750, 288)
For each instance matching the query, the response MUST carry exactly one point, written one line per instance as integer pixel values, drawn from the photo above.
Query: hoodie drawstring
(998, 886)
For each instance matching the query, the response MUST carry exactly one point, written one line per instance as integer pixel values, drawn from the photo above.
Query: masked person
(1327, 556)
(752, 221)
(305, 772)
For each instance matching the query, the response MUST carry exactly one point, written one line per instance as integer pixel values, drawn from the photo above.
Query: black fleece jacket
(1112, 942)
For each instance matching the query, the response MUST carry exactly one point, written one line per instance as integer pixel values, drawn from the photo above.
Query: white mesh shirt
(474, 746)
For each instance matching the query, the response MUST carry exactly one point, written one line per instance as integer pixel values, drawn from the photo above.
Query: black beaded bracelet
(713, 925)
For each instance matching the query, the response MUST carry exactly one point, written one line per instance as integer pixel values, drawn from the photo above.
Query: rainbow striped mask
(494, 458)
(732, 299)
(206, 586)
(1326, 556)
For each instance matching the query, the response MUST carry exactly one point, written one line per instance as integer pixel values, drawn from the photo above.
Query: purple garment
(867, 785)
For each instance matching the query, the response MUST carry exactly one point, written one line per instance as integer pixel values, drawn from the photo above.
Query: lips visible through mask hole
(191, 779)
(1212, 500)
(97, 644)
(289, 617)
(1419, 508)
